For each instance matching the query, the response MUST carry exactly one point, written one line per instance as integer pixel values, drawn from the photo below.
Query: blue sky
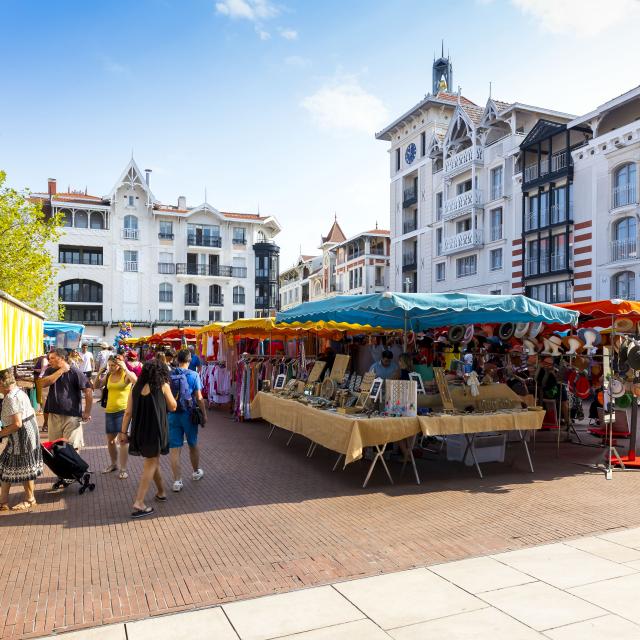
(274, 104)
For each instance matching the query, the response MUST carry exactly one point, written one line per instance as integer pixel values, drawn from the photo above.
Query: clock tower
(442, 75)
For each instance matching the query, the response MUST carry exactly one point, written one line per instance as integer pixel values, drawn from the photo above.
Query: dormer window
(131, 202)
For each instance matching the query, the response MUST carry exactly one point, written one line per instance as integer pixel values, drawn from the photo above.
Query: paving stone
(358, 630)
(110, 632)
(605, 549)
(619, 595)
(626, 537)
(605, 627)
(204, 624)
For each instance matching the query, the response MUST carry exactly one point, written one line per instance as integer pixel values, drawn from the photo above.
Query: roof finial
(335, 217)
(459, 90)
(132, 153)
(258, 208)
(205, 194)
(376, 224)
(489, 88)
(442, 44)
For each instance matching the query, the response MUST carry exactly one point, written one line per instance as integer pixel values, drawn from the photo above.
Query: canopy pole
(404, 336)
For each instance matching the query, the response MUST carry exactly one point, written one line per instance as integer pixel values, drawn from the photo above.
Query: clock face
(410, 153)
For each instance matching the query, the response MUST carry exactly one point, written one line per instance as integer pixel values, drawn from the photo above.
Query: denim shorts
(180, 425)
(113, 421)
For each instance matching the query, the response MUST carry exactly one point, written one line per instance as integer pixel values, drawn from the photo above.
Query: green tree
(26, 266)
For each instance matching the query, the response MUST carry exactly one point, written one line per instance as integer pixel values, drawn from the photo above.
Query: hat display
(580, 363)
(506, 331)
(624, 401)
(616, 387)
(623, 325)
(633, 356)
(591, 337)
(487, 329)
(521, 330)
(574, 345)
(456, 333)
(583, 387)
(468, 334)
(534, 329)
(530, 345)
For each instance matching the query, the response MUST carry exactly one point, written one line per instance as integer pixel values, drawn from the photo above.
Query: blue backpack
(180, 389)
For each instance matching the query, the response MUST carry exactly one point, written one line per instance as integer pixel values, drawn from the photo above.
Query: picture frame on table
(278, 385)
(376, 389)
(417, 378)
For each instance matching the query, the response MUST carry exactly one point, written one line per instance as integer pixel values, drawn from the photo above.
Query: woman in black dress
(146, 411)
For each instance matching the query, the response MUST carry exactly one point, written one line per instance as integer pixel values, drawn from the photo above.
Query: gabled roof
(434, 147)
(335, 234)
(493, 109)
(542, 130)
(618, 101)
(133, 177)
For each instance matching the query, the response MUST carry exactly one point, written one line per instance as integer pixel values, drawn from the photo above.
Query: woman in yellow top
(116, 382)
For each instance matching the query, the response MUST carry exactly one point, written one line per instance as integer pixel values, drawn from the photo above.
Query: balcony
(558, 261)
(166, 267)
(623, 196)
(462, 204)
(496, 232)
(216, 301)
(262, 302)
(192, 300)
(559, 162)
(531, 267)
(377, 251)
(409, 225)
(195, 240)
(624, 250)
(410, 196)
(462, 161)
(130, 266)
(559, 213)
(215, 271)
(165, 236)
(130, 234)
(462, 241)
(409, 261)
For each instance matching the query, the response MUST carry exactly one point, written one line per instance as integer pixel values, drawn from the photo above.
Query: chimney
(147, 175)
(52, 186)
(182, 202)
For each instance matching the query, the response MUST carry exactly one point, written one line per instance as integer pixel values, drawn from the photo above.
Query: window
(81, 220)
(467, 266)
(559, 252)
(463, 225)
(441, 271)
(552, 292)
(496, 224)
(262, 266)
(130, 260)
(130, 231)
(191, 296)
(67, 218)
(96, 220)
(625, 240)
(495, 259)
(239, 236)
(215, 295)
(239, 295)
(397, 159)
(164, 315)
(379, 281)
(215, 316)
(531, 220)
(623, 286)
(496, 183)
(166, 292)
(83, 314)
(131, 201)
(80, 255)
(238, 314)
(166, 230)
(439, 205)
(463, 187)
(191, 315)
(543, 209)
(439, 241)
(624, 185)
(423, 144)
(80, 291)
(558, 205)
(203, 235)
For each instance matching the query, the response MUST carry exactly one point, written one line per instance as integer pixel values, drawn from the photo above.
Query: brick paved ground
(267, 519)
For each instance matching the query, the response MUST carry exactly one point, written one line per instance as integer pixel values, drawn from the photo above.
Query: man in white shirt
(87, 361)
(103, 356)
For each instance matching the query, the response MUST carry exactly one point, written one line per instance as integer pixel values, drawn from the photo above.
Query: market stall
(22, 332)
(342, 420)
(66, 335)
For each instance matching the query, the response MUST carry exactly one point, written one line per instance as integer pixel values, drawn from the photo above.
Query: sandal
(25, 505)
(123, 475)
(110, 468)
(161, 498)
(140, 513)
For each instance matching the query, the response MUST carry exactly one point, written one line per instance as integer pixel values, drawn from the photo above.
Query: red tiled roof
(169, 208)
(70, 197)
(335, 234)
(474, 112)
(379, 232)
(502, 105)
(305, 258)
(453, 97)
(247, 216)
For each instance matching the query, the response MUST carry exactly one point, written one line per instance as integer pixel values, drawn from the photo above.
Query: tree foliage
(26, 266)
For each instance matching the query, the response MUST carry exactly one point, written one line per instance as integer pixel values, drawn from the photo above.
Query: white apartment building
(128, 257)
(296, 281)
(455, 200)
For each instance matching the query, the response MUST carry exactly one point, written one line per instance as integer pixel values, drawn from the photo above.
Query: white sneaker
(197, 475)
(177, 486)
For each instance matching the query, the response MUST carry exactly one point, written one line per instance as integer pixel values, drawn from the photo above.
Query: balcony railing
(216, 301)
(130, 266)
(462, 204)
(558, 261)
(496, 232)
(192, 300)
(166, 296)
(239, 241)
(558, 213)
(410, 196)
(624, 195)
(165, 236)
(377, 251)
(409, 225)
(460, 161)
(531, 267)
(496, 191)
(408, 260)
(262, 302)
(194, 240)
(130, 234)
(559, 161)
(462, 241)
(624, 250)
(166, 267)
(220, 271)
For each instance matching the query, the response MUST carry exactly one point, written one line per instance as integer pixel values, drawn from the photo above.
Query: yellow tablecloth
(348, 434)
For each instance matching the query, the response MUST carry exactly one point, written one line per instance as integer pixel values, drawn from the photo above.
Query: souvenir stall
(66, 335)
(382, 412)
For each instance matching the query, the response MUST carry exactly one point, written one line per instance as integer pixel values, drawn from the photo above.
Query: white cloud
(297, 61)
(343, 104)
(584, 18)
(253, 10)
(262, 34)
(289, 34)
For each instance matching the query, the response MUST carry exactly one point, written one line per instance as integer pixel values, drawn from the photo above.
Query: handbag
(105, 393)
(196, 416)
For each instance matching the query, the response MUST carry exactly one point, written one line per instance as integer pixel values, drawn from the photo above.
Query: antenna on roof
(335, 217)
(489, 88)
(205, 194)
(258, 208)
(442, 45)
(459, 90)
(376, 224)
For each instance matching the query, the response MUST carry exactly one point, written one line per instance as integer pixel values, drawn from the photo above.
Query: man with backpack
(185, 421)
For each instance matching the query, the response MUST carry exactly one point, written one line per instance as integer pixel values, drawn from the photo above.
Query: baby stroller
(67, 464)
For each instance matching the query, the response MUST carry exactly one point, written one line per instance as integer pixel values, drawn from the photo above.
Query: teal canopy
(419, 311)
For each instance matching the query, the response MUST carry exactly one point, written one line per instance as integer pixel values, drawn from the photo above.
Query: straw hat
(521, 330)
(623, 325)
(636, 389)
(456, 333)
